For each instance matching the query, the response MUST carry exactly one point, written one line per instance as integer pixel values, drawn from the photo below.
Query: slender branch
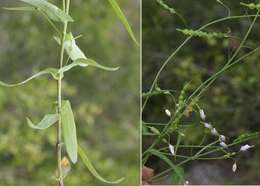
(228, 65)
(165, 63)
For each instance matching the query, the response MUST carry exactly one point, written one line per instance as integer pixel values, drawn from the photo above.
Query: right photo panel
(200, 92)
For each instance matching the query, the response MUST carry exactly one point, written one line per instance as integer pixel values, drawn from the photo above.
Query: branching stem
(66, 6)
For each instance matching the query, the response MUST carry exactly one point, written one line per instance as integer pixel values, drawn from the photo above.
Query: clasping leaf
(78, 57)
(69, 131)
(72, 49)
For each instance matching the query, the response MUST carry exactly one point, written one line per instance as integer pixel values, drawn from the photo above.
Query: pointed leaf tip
(123, 19)
(51, 10)
(45, 123)
(52, 71)
(92, 170)
(19, 8)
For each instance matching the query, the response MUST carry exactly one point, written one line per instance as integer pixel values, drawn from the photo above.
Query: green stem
(208, 82)
(180, 47)
(66, 6)
(199, 157)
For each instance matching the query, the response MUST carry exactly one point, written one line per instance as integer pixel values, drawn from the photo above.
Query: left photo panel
(70, 92)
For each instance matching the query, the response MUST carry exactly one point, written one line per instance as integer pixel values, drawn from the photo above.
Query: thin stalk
(180, 47)
(199, 156)
(211, 79)
(66, 6)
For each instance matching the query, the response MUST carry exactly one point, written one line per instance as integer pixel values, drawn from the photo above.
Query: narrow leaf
(176, 179)
(123, 19)
(52, 11)
(168, 161)
(19, 8)
(45, 123)
(69, 131)
(247, 137)
(93, 63)
(51, 71)
(251, 5)
(91, 168)
(154, 130)
(77, 56)
(85, 63)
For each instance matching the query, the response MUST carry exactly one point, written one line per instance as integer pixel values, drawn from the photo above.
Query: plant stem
(165, 63)
(227, 66)
(66, 6)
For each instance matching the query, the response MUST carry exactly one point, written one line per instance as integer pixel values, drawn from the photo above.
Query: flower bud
(207, 125)
(223, 144)
(234, 167)
(246, 147)
(222, 138)
(214, 132)
(171, 148)
(168, 113)
(202, 114)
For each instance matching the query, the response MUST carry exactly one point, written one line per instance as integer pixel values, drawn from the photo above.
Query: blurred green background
(232, 104)
(105, 104)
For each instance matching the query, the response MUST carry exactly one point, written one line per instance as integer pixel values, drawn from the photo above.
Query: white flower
(207, 125)
(223, 144)
(222, 138)
(202, 114)
(234, 167)
(171, 148)
(214, 132)
(168, 113)
(186, 182)
(246, 147)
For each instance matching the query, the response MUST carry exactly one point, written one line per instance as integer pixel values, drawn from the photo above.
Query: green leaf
(176, 179)
(168, 161)
(19, 8)
(52, 11)
(77, 56)
(51, 71)
(91, 168)
(251, 5)
(85, 63)
(123, 19)
(247, 137)
(45, 123)
(69, 131)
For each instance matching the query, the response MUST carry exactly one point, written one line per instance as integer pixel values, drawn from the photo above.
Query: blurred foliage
(232, 103)
(105, 104)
